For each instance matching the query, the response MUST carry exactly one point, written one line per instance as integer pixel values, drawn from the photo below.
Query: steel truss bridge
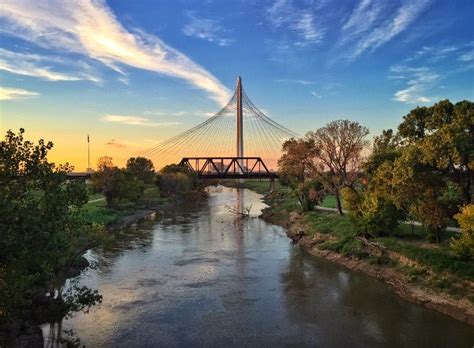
(228, 167)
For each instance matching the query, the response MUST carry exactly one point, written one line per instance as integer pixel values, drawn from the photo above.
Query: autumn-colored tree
(463, 246)
(104, 162)
(339, 146)
(298, 169)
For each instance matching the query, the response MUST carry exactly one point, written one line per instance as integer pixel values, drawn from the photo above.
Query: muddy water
(204, 276)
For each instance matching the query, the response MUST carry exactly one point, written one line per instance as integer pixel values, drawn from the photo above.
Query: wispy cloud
(116, 144)
(467, 57)
(418, 81)
(420, 72)
(317, 95)
(206, 29)
(301, 82)
(373, 23)
(28, 64)
(300, 21)
(136, 121)
(15, 93)
(90, 28)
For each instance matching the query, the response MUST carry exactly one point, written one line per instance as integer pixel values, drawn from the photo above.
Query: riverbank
(421, 272)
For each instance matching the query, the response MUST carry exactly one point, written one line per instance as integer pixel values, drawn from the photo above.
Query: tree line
(422, 171)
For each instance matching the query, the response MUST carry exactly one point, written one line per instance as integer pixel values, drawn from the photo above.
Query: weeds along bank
(421, 272)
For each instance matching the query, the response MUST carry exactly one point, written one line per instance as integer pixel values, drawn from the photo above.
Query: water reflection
(205, 275)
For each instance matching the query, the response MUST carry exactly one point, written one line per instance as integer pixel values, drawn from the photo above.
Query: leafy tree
(113, 183)
(444, 133)
(339, 147)
(141, 168)
(176, 180)
(463, 246)
(42, 231)
(298, 170)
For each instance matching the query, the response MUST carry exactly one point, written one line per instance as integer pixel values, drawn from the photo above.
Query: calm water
(204, 276)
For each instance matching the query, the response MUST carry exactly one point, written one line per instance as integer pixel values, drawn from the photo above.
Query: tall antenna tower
(89, 169)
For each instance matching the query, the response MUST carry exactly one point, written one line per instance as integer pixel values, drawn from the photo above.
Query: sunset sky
(134, 73)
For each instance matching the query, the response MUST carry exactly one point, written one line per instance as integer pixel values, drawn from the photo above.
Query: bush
(371, 214)
(463, 247)
(175, 180)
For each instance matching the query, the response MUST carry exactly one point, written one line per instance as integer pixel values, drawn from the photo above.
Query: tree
(42, 230)
(298, 170)
(339, 148)
(444, 133)
(141, 168)
(112, 182)
(176, 180)
(104, 162)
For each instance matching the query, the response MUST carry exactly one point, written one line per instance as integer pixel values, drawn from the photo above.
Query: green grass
(437, 257)
(328, 222)
(98, 212)
(258, 185)
(329, 202)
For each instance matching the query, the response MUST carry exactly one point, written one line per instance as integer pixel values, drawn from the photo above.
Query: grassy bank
(406, 252)
(96, 211)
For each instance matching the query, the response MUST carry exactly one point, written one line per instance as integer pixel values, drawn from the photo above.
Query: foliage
(112, 182)
(141, 168)
(425, 169)
(463, 247)
(176, 180)
(104, 162)
(373, 214)
(338, 149)
(40, 220)
(122, 184)
(297, 168)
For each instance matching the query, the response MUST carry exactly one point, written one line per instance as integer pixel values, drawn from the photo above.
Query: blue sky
(133, 73)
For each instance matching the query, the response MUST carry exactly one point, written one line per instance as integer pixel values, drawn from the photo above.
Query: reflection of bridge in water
(206, 148)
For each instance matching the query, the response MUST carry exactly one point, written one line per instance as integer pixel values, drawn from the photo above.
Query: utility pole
(240, 123)
(89, 169)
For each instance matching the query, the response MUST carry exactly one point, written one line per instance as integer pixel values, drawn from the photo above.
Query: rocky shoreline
(460, 309)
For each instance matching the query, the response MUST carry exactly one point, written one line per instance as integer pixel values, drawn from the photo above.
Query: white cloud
(467, 57)
(363, 16)
(137, 121)
(301, 82)
(206, 29)
(317, 95)
(373, 24)
(28, 64)
(282, 14)
(15, 93)
(418, 81)
(90, 28)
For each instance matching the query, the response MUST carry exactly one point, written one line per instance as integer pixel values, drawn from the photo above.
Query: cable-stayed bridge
(238, 141)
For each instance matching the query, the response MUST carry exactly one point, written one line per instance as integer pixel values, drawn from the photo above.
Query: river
(203, 275)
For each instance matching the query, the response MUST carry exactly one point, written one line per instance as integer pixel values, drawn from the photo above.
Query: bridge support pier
(272, 184)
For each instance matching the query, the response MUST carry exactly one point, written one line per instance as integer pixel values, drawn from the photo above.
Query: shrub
(371, 214)
(463, 246)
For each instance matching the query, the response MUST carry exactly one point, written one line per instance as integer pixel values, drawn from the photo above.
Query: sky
(134, 73)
